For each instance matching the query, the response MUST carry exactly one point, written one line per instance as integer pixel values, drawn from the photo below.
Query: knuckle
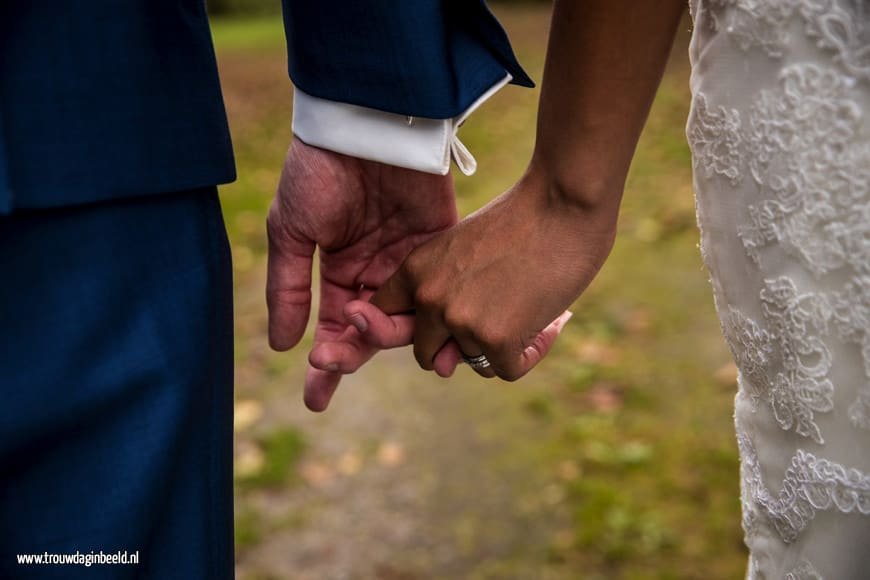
(277, 298)
(427, 295)
(458, 318)
(492, 338)
(414, 265)
(418, 265)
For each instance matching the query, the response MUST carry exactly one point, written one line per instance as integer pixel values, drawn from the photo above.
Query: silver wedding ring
(476, 362)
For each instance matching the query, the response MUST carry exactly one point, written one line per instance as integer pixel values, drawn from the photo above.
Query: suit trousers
(116, 368)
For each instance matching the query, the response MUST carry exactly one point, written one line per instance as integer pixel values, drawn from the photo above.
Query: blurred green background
(614, 459)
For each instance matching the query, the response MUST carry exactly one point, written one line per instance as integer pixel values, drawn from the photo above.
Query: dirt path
(405, 476)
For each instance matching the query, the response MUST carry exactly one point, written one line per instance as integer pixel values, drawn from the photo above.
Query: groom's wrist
(417, 143)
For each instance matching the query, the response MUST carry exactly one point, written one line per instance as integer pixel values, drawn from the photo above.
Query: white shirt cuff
(412, 142)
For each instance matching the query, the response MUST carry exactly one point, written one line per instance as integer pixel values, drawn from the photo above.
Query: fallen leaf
(249, 460)
(605, 397)
(638, 321)
(246, 413)
(391, 454)
(316, 474)
(349, 463)
(597, 352)
(569, 470)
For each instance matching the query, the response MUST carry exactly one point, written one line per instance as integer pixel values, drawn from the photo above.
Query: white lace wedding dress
(780, 136)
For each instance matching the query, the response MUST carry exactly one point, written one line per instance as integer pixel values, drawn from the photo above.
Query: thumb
(396, 295)
(288, 285)
(378, 329)
(543, 342)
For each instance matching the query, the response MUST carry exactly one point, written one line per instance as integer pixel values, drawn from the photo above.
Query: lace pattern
(811, 484)
(802, 151)
(850, 310)
(834, 26)
(804, 154)
(780, 139)
(716, 142)
(804, 571)
(785, 362)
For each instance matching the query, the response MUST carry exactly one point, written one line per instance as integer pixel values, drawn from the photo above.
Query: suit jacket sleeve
(423, 58)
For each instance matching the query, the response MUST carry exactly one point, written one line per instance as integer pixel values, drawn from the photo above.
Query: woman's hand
(496, 284)
(494, 281)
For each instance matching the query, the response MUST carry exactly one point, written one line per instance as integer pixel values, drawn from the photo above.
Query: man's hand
(365, 217)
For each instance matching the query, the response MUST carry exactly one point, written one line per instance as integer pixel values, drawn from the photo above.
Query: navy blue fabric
(116, 387)
(107, 99)
(426, 58)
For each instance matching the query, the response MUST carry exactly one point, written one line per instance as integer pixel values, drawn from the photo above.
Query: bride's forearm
(490, 284)
(604, 62)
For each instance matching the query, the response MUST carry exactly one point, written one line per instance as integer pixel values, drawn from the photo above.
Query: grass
(281, 451)
(641, 427)
(253, 33)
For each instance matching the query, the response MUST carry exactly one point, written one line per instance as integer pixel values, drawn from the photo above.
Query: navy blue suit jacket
(106, 99)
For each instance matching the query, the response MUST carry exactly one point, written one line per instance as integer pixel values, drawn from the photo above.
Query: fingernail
(332, 367)
(563, 319)
(359, 322)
